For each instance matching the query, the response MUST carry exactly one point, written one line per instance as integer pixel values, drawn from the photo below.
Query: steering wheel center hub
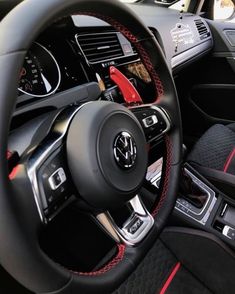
(125, 151)
(107, 154)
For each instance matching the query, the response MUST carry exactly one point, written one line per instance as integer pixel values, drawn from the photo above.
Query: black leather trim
(27, 262)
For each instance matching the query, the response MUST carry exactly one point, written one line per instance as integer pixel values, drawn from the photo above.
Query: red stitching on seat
(118, 258)
(229, 160)
(170, 278)
(166, 180)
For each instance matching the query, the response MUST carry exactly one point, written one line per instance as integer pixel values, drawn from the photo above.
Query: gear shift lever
(191, 192)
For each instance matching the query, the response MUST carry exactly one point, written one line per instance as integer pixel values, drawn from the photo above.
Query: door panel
(214, 93)
(207, 89)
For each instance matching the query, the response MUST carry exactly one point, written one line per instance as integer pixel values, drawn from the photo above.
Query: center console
(200, 204)
(196, 199)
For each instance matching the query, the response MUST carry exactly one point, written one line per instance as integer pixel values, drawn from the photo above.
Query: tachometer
(40, 75)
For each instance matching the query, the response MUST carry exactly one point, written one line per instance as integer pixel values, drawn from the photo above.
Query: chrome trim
(224, 210)
(104, 60)
(59, 76)
(208, 206)
(129, 62)
(226, 230)
(106, 222)
(125, 150)
(122, 234)
(40, 154)
(155, 180)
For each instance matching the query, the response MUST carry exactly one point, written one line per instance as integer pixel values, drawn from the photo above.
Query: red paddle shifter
(130, 94)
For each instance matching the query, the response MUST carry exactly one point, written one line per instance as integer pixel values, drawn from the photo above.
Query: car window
(180, 5)
(224, 10)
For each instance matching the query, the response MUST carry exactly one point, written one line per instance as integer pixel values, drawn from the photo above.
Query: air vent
(100, 46)
(202, 29)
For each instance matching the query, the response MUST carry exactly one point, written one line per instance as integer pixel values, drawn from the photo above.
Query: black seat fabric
(183, 261)
(216, 149)
(161, 273)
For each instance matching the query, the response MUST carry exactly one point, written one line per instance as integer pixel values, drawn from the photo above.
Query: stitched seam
(160, 92)
(145, 57)
(116, 260)
(166, 179)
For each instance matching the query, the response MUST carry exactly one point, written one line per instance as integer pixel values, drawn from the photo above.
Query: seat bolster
(214, 147)
(231, 127)
(225, 182)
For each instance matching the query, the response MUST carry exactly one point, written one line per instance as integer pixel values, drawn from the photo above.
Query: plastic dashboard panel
(169, 29)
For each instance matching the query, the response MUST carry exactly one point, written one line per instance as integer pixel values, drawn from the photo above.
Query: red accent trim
(14, 172)
(229, 160)
(166, 178)
(170, 278)
(129, 92)
(116, 260)
(143, 54)
(160, 92)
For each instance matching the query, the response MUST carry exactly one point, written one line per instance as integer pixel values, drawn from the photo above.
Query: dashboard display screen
(139, 70)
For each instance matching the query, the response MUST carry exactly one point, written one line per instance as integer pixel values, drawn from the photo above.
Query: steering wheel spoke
(154, 120)
(134, 229)
(104, 145)
(48, 171)
(51, 184)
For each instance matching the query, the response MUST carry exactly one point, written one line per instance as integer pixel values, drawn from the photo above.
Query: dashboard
(80, 49)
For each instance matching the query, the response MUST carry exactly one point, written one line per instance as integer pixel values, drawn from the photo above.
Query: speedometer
(40, 75)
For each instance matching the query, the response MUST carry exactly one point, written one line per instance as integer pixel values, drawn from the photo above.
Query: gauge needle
(46, 83)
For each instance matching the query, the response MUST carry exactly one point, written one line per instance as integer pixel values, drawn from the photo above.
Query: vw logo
(125, 151)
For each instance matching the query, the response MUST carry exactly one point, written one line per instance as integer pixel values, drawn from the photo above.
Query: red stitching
(120, 27)
(166, 179)
(144, 55)
(148, 64)
(118, 258)
(160, 91)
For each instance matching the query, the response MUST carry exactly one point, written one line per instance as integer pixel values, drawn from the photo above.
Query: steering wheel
(106, 155)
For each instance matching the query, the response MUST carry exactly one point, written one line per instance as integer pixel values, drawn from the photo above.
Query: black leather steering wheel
(112, 180)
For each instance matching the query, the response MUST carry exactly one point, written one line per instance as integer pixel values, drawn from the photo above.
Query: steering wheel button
(150, 121)
(57, 179)
(55, 163)
(45, 173)
(50, 199)
(229, 232)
